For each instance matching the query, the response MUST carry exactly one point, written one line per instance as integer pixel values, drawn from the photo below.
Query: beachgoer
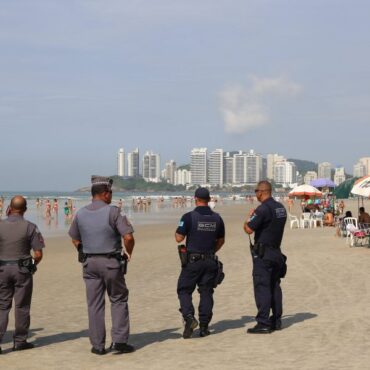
(18, 237)
(204, 231)
(364, 217)
(328, 218)
(267, 223)
(55, 206)
(96, 232)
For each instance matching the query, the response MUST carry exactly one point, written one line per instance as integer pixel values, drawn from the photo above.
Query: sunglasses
(259, 190)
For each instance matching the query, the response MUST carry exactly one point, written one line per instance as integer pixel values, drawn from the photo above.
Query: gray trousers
(17, 283)
(102, 274)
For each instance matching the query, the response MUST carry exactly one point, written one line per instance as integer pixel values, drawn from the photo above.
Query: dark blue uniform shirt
(268, 222)
(198, 241)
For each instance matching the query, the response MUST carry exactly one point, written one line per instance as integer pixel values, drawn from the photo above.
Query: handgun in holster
(29, 264)
(82, 257)
(183, 254)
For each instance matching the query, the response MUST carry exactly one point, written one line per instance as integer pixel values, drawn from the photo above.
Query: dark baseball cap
(202, 193)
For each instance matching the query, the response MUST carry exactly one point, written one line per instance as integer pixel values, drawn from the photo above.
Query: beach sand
(326, 307)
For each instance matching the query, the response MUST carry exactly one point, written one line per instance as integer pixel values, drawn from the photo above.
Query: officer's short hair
(266, 184)
(100, 189)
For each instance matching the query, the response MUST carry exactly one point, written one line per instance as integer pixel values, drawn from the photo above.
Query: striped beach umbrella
(305, 191)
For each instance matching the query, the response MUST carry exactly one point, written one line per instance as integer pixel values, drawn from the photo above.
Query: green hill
(303, 166)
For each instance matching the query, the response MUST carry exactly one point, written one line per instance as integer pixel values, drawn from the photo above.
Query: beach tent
(343, 190)
(305, 191)
(322, 183)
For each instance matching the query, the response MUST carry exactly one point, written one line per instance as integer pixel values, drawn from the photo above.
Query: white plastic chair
(306, 219)
(293, 221)
(319, 219)
(351, 226)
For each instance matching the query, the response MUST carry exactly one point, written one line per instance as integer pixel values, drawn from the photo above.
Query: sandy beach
(326, 316)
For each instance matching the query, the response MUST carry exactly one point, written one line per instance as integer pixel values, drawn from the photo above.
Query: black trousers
(201, 273)
(266, 282)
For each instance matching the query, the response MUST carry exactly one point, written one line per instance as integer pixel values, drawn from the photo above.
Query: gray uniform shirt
(118, 222)
(17, 237)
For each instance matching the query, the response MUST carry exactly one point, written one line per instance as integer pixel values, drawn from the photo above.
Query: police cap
(202, 193)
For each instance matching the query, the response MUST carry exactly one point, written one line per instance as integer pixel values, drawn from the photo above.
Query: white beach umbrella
(305, 191)
(362, 187)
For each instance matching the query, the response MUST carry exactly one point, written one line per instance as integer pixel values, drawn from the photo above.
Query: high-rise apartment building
(285, 173)
(121, 162)
(133, 163)
(169, 171)
(324, 170)
(216, 168)
(253, 167)
(359, 170)
(182, 177)
(339, 176)
(228, 168)
(309, 176)
(240, 168)
(365, 161)
(198, 166)
(151, 167)
(271, 160)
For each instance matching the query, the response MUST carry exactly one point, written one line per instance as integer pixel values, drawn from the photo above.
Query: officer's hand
(128, 256)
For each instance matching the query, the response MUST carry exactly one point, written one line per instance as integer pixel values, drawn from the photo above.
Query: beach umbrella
(322, 183)
(305, 191)
(362, 187)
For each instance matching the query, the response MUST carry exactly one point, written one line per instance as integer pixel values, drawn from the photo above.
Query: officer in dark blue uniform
(269, 264)
(204, 231)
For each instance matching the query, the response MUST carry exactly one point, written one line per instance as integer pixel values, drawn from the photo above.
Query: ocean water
(165, 211)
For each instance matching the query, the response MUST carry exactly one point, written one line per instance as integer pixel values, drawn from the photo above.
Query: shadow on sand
(141, 340)
(289, 320)
(224, 325)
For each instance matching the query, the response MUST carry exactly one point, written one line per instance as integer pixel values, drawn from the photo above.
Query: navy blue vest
(203, 234)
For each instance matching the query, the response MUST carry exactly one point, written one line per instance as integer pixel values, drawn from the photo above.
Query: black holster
(82, 257)
(29, 264)
(123, 260)
(220, 273)
(284, 268)
(258, 249)
(183, 254)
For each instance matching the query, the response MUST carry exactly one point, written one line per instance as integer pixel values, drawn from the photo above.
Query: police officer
(96, 232)
(17, 238)
(204, 231)
(267, 223)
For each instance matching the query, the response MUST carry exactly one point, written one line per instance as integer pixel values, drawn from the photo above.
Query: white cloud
(276, 86)
(245, 108)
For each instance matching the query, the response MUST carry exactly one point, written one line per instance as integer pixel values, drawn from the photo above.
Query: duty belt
(12, 262)
(193, 257)
(108, 255)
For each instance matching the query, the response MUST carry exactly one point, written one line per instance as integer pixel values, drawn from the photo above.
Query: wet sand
(326, 307)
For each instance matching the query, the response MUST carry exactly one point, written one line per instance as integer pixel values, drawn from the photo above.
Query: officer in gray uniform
(17, 238)
(97, 232)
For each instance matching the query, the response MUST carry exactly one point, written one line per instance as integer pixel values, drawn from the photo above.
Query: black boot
(190, 324)
(203, 332)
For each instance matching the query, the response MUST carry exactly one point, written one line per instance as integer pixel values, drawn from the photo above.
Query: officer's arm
(129, 243)
(37, 256)
(219, 243)
(179, 238)
(247, 229)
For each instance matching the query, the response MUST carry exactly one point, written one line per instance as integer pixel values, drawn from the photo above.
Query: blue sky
(79, 79)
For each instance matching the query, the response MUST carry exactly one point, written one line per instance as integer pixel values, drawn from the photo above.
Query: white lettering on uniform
(206, 226)
(280, 212)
